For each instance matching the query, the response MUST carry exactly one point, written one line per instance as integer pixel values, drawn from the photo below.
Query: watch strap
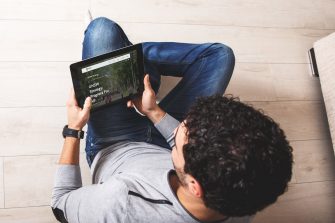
(67, 132)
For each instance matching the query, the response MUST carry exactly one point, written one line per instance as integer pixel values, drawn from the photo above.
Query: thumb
(88, 104)
(147, 84)
(129, 104)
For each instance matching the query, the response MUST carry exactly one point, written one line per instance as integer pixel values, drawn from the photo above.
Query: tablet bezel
(76, 72)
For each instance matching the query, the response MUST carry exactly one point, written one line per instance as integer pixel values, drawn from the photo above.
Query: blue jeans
(205, 70)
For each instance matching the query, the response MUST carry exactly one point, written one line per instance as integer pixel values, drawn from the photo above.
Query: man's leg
(205, 70)
(118, 122)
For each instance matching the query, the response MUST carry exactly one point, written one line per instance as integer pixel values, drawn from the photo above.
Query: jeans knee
(101, 27)
(101, 22)
(220, 51)
(225, 56)
(225, 51)
(223, 59)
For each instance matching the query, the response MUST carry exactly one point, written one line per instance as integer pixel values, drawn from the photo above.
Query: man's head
(233, 157)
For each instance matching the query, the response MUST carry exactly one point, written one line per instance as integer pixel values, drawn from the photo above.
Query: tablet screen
(109, 80)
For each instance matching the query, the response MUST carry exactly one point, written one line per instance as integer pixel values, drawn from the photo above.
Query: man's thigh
(205, 69)
(117, 122)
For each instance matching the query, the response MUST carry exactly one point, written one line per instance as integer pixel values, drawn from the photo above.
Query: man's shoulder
(115, 188)
(135, 199)
(129, 183)
(131, 157)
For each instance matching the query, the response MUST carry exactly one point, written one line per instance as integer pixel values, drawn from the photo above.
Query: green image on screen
(111, 80)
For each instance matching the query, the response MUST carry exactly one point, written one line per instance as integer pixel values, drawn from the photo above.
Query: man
(194, 157)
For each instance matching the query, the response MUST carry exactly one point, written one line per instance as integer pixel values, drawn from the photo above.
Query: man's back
(130, 184)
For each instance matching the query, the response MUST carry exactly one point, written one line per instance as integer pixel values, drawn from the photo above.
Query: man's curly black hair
(240, 157)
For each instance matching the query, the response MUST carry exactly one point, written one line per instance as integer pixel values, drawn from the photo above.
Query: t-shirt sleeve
(73, 203)
(166, 126)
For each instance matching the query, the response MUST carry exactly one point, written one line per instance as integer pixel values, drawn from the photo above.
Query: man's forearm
(156, 115)
(70, 152)
(165, 124)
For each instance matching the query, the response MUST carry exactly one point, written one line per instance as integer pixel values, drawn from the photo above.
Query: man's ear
(195, 187)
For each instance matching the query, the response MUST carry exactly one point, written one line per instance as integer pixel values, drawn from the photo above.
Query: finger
(147, 84)
(129, 104)
(72, 98)
(88, 104)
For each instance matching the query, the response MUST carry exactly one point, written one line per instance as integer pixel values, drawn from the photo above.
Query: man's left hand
(77, 117)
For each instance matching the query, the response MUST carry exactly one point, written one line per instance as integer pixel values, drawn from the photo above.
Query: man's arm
(70, 152)
(71, 202)
(147, 105)
(89, 203)
(77, 118)
(68, 176)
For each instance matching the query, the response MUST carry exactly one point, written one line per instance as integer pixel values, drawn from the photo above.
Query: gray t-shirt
(130, 184)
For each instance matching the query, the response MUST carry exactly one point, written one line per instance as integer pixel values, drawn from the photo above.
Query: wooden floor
(270, 38)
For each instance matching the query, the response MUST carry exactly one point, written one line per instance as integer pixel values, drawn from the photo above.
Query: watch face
(81, 135)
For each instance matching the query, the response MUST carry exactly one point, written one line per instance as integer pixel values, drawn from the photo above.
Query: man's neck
(194, 206)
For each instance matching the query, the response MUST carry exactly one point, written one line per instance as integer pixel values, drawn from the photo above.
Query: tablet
(109, 78)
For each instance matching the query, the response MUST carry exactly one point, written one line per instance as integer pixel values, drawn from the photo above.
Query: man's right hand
(146, 104)
(77, 117)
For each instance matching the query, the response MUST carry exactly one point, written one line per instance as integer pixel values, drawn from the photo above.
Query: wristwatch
(79, 134)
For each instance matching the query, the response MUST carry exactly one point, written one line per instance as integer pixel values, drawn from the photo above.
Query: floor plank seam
(283, 101)
(172, 23)
(34, 206)
(35, 106)
(311, 182)
(219, 25)
(41, 20)
(305, 140)
(37, 155)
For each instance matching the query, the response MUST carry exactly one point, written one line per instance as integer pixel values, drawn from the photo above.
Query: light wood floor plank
(27, 215)
(261, 13)
(274, 82)
(258, 45)
(40, 134)
(327, 11)
(43, 10)
(314, 161)
(251, 82)
(34, 83)
(62, 41)
(295, 82)
(255, 82)
(37, 130)
(29, 179)
(301, 120)
(41, 40)
(303, 203)
(48, 83)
